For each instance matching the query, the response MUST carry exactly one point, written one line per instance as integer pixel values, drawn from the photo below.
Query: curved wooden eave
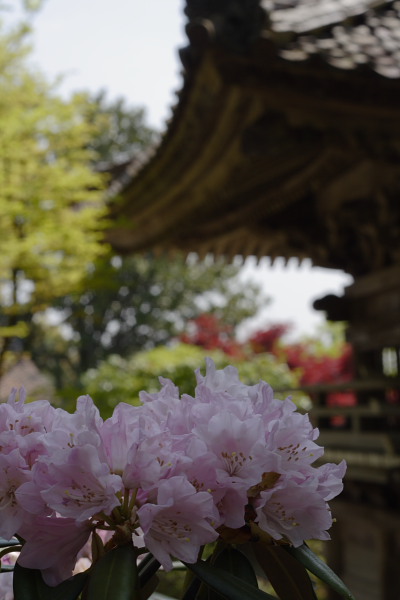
(321, 91)
(205, 191)
(187, 181)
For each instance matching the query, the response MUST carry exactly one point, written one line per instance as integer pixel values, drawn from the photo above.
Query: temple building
(285, 142)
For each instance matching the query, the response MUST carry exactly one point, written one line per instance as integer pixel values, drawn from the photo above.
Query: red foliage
(324, 369)
(320, 369)
(267, 339)
(314, 368)
(208, 332)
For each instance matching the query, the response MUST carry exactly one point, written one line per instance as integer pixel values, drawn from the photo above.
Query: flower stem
(125, 505)
(132, 501)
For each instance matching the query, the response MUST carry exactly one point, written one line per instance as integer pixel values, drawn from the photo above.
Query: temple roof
(346, 33)
(285, 140)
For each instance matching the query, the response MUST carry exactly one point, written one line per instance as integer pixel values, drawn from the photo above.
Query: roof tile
(346, 34)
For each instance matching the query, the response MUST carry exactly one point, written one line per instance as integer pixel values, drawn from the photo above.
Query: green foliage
(122, 132)
(50, 213)
(288, 577)
(231, 575)
(304, 555)
(269, 368)
(228, 573)
(136, 303)
(115, 576)
(120, 380)
(226, 584)
(29, 585)
(51, 202)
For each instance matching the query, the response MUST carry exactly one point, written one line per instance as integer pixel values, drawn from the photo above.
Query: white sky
(130, 48)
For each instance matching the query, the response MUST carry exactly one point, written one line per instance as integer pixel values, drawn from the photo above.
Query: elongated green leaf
(149, 588)
(7, 543)
(29, 585)
(115, 576)
(147, 569)
(148, 580)
(288, 577)
(145, 560)
(226, 584)
(316, 566)
(233, 561)
(192, 588)
(98, 549)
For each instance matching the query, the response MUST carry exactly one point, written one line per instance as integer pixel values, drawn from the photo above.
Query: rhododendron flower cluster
(170, 475)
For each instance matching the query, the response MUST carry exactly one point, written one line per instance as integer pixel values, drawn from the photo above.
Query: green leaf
(191, 588)
(29, 585)
(147, 568)
(287, 576)
(97, 547)
(115, 576)
(226, 584)
(149, 588)
(237, 563)
(148, 581)
(234, 562)
(8, 543)
(316, 566)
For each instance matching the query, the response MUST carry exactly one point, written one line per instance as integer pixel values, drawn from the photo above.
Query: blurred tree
(124, 304)
(122, 131)
(133, 303)
(50, 200)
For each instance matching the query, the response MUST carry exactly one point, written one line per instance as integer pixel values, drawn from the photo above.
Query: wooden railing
(367, 434)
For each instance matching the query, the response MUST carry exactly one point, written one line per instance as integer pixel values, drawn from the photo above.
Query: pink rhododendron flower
(156, 458)
(170, 475)
(119, 433)
(330, 479)
(222, 384)
(78, 485)
(12, 475)
(52, 545)
(237, 446)
(294, 509)
(23, 418)
(180, 522)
